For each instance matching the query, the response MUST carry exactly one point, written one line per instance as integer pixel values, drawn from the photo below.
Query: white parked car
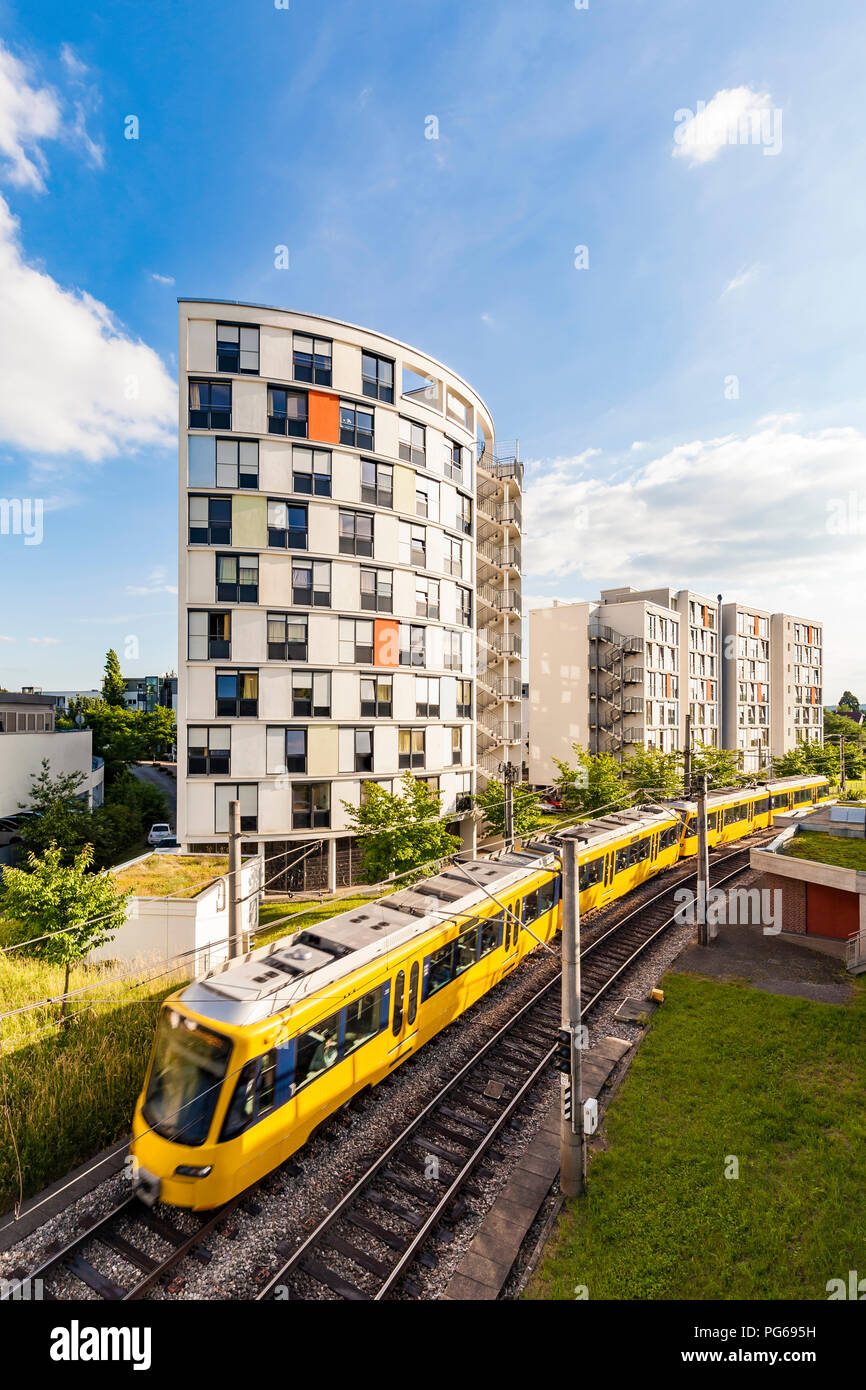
(159, 832)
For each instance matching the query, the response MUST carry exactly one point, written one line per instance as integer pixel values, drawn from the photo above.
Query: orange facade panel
(709, 690)
(756, 624)
(386, 642)
(324, 418)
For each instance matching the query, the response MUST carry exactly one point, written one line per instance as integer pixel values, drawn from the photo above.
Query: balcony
(633, 675)
(633, 705)
(505, 644)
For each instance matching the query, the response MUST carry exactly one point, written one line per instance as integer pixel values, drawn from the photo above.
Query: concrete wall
(558, 686)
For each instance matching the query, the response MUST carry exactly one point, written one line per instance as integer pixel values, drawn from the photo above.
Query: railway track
(367, 1243)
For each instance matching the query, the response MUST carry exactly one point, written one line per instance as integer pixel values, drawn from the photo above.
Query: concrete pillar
(469, 836)
(332, 866)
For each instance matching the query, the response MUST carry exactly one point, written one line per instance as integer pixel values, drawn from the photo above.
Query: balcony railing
(505, 643)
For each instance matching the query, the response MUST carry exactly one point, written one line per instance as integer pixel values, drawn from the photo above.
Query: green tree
(790, 764)
(720, 766)
(399, 831)
(62, 903)
(55, 815)
(156, 732)
(848, 701)
(527, 816)
(113, 688)
(116, 736)
(823, 760)
(652, 771)
(593, 781)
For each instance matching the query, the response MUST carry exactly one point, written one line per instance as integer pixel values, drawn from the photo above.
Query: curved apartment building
(348, 583)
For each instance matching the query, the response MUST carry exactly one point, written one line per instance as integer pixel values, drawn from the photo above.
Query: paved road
(157, 778)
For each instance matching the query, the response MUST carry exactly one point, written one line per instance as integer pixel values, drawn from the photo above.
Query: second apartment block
(630, 667)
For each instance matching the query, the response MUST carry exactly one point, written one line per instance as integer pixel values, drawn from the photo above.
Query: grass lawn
(827, 849)
(725, 1071)
(183, 875)
(65, 1093)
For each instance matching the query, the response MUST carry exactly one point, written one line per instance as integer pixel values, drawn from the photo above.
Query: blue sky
(690, 404)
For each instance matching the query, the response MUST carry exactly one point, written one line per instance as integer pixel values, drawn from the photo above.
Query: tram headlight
(186, 1170)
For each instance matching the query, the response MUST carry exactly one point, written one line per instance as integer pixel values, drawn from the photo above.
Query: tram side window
(466, 949)
(491, 932)
(441, 971)
(318, 1049)
(546, 897)
(530, 907)
(762, 806)
(591, 873)
(669, 837)
(363, 1020)
(621, 859)
(640, 851)
(242, 1107)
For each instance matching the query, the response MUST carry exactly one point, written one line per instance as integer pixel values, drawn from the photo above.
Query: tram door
(607, 882)
(509, 926)
(405, 1001)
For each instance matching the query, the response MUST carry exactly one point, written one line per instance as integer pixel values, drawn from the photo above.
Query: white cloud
(156, 584)
(741, 278)
(735, 115)
(774, 517)
(45, 641)
(28, 114)
(74, 381)
(162, 279)
(638, 444)
(8, 639)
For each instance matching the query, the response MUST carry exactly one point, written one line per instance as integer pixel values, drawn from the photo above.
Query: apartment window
(413, 544)
(312, 359)
(356, 425)
(311, 695)
(208, 635)
(356, 750)
(410, 747)
(311, 471)
(426, 697)
(431, 783)
(464, 607)
(286, 751)
(247, 793)
(456, 747)
(412, 645)
(377, 697)
(413, 442)
(426, 597)
(427, 500)
(377, 483)
(356, 641)
(210, 405)
(210, 521)
(356, 533)
(464, 699)
(464, 514)
(237, 578)
(209, 751)
(452, 653)
(237, 348)
(377, 591)
(287, 526)
(311, 582)
(287, 412)
(237, 694)
(377, 375)
(453, 461)
(453, 557)
(311, 806)
(287, 637)
(230, 463)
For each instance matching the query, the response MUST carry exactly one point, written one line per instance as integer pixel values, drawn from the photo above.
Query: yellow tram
(249, 1059)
